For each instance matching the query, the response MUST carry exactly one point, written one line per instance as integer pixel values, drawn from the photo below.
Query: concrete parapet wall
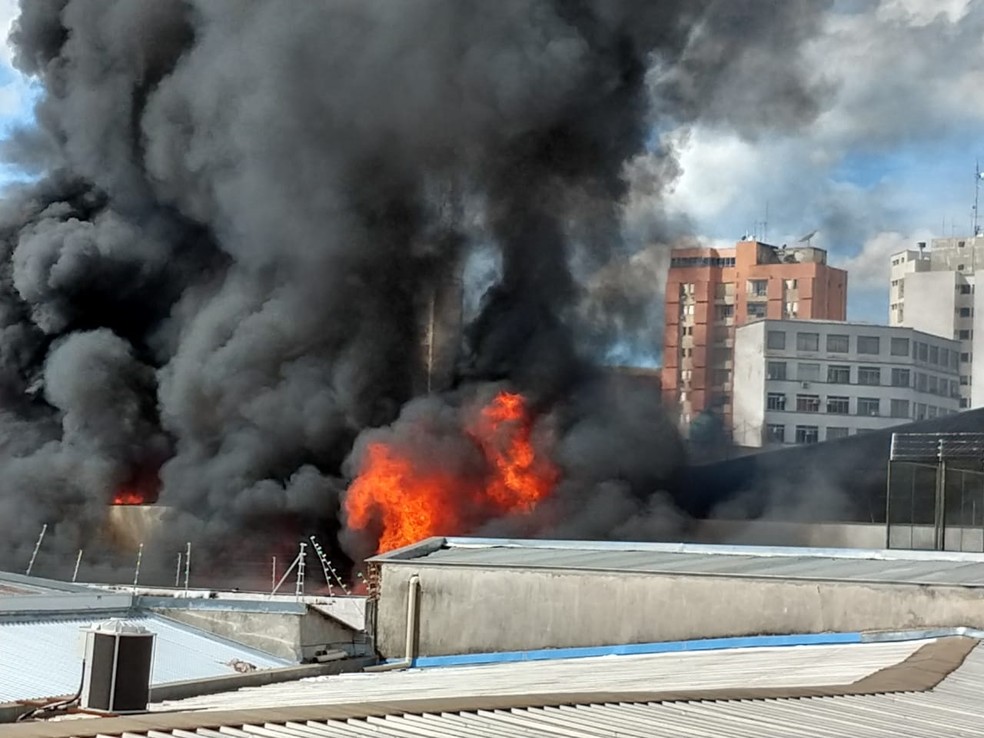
(292, 635)
(476, 610)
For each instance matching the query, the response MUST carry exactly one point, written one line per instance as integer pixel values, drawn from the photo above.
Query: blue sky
(888, 161)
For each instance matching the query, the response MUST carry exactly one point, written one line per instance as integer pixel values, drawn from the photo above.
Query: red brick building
(709, 292)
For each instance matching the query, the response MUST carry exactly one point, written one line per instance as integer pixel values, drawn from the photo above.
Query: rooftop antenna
(30, 565)
(136, 569)
(78, 560)
(299, 583)
(187, 566)
(978, 175)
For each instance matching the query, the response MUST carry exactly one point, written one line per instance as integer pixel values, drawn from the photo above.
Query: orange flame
(128, 497)
(409, 503)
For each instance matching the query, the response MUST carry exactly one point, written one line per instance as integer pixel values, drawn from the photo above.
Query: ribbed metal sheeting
(783, 667)
(43, 658)
(964, 569)
(953, 708)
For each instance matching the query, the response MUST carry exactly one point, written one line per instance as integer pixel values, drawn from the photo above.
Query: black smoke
(218, 269)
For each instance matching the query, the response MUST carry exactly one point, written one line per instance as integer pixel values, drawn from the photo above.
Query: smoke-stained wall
(216, 271)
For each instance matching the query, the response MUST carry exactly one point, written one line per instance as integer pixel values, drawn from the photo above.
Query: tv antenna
(978, 175)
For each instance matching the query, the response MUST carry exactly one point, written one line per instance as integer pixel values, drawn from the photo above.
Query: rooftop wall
(479, 610)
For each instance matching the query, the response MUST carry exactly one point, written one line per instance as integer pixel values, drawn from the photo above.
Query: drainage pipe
(413, 616)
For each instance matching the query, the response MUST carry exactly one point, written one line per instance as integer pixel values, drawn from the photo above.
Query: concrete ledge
(232, 682)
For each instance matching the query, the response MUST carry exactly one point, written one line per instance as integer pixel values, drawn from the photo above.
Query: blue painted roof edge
(634, 649)
(707, 644)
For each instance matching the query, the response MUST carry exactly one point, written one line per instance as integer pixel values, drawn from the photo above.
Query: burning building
(239, 240)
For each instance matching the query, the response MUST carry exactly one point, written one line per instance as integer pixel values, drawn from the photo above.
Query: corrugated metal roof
(953, 707)
(736, 561)
(786, 667)
(43, 658)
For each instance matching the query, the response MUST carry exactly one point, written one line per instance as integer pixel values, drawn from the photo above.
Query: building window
(965, 356)
(920, 411)
(723, 312)
(965, 312)
(721, 377)
(934, 355)
(965, 380)
(922, 351)
(838, 405)
(791, 284)
(954, 364)
(869, 406)
(900, 347)
(756, 309)
(901, 377)
(944, 357)
(835, 432)
(807, 341)
(791, 310)
(964, 402)
(807, 434)
(776, 401)
(776, 340)
(776, 370)
(965, 289)
(870, 375)
(838, 344)
(934, 385)
(775, 433)
(808, 372)
(808, 403)
(920, 382)
(965, 335)
(900, 408)
(868, 345)
(758, 287)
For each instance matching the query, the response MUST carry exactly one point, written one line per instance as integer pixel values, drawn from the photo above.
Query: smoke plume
(242, 215)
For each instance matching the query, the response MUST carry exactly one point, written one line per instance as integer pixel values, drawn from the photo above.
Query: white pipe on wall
(413, 615)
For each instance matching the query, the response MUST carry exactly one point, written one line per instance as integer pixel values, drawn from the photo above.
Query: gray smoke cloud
(222, 270)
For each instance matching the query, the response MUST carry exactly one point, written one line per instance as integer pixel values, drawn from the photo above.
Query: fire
(410, 503)
(127, 496)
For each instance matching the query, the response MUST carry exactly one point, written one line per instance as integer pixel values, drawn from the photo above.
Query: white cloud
(905, 95)
(9, 10)
(869, 268)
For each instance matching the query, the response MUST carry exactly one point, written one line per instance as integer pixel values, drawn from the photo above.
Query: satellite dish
(807, 238)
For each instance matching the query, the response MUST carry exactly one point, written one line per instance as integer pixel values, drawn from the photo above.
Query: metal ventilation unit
(118, 660)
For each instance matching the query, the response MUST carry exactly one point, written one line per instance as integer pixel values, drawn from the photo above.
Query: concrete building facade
(799, 382)
(935, 292)
(710, 292)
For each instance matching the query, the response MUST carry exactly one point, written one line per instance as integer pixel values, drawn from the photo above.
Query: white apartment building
(805, 381)
(935, 292)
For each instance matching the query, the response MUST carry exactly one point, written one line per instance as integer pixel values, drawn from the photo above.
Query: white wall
(930, 302)
(749, 385)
